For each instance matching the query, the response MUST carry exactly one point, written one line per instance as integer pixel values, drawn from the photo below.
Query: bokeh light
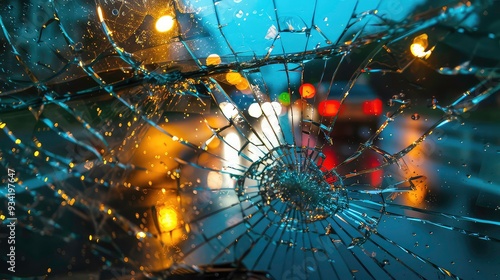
(329, 108)
(419, 46)
(164, 23)
(284, 98)
(213, 59)
(167, 218)
(307, 90)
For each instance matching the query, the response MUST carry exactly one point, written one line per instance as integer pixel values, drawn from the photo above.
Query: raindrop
(329, 230)
(415, 117)
(385, 262)
(77, 47)
(392, 101)
(433, 103)
(239, 14)
(114, 12)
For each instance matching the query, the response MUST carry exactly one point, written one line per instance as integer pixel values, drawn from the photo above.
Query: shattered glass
(235, 138)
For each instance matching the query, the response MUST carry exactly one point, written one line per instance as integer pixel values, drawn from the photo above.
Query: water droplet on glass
(385, 262)
(114, 12)
(433, 102)
(415, 117)
(392, 101)
(329, 230)
(239, 14)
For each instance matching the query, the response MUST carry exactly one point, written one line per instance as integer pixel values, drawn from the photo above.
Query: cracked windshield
(245, 139)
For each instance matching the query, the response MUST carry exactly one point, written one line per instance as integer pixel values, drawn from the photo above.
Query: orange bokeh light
(167, 218)
(307, 90)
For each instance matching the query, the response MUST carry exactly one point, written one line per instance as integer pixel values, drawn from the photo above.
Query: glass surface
(239, 138)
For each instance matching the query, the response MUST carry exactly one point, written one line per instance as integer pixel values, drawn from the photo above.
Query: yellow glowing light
(164, 23)
(243, 84)
(167, 218)
(36, 153)
(417, 196)
(419, 46)
(234, 78)
(213, 59)
(140, 235)
(18, 141)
